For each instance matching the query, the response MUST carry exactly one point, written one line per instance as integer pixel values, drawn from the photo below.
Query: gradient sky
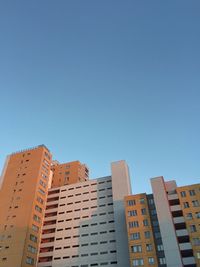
(101, 81)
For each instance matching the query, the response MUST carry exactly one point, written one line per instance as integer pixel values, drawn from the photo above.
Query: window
(41, 191)
(162, 261)
(33, 238)
(151, 201)
(160, 247)
(151, 260)
(131, 202)
(149, 247)
(42, 184)
(35, 228)
(147, 234)
(36, 218)
(32, 249)
(192, 192)
(195, 203)
(186, 205)
(44, 176)
(38, 209)
(142, 200)
(135, 236)
(138, 262)
(197, 215)
(183, 193)
(133, 224)
(46, 162)
(157, 235)
(193, 228)
(153, 212)
(29, 261)
(155, 223)
(136, 248)
(196, 241)
(145, 222)
(189, 216)
(40, 200)
(143, 211)
(132, 213)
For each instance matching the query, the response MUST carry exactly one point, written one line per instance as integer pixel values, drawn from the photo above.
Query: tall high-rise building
(164, 227)
(26, 178)
(145, 242)
(178, 215)
(85, 223)
(23, 196)
(52, 215)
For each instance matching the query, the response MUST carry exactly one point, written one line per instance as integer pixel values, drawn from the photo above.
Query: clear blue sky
(101, 81)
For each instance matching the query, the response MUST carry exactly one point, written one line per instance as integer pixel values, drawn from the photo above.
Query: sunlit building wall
(85, 223)
(22, 201)
(180, 235)
(68, 173)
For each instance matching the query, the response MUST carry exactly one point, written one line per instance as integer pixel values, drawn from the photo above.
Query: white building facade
(84, 223)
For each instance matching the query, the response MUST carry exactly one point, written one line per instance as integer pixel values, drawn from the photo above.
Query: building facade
(84, 225)
(52, 215)
(22, 204)
(164, 227)
(145, 243)
(25, 180)
(178, 215)
(68, 173)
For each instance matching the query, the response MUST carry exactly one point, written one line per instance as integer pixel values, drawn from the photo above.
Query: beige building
(145, 243)
(22, 203)
(69, 173)
(164, 227)
(52, 215)
(189, 199)
(26, 178)
(84, 223)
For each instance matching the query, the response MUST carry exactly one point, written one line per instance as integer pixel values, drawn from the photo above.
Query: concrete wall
(121, 188)
(171, 248)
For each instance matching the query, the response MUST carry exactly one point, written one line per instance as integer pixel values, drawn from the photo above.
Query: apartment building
(85, 223)
(189, 201)
(145, 242)
(25, 180)
(22, 203)
(177, 210)
(164, 227)
(52, 215)
(68, 173)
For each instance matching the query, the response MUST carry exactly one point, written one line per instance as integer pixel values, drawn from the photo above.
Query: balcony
(183, 232)
(172, 197)
(178, 220)
(50, 214)
(188, 261)
(183, 239)
(45, 259)
(49, 223)
(180, 226)
(48, 231)
(52, 207)
(185, 246)
(175, 208)
(46, 249)
(47, 240)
